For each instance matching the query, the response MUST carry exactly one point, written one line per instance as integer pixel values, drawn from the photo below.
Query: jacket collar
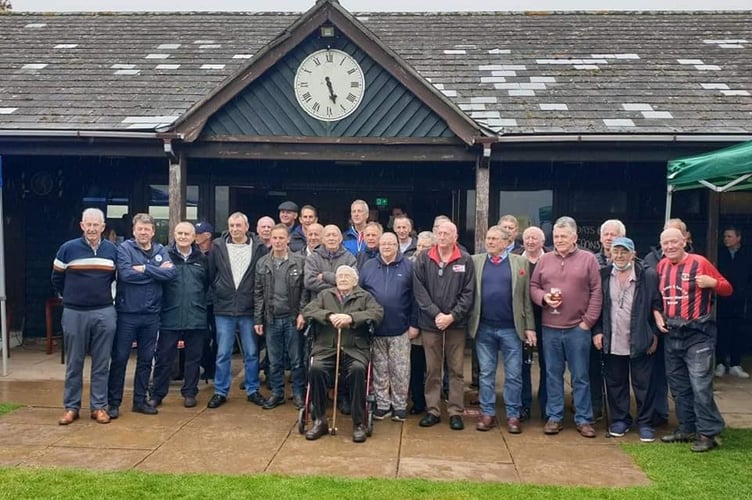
(433, 254)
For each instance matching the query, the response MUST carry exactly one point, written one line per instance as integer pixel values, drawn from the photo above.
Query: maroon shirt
(578, 276)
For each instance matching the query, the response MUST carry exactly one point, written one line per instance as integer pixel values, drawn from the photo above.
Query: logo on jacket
(458, 268)
(158, 258)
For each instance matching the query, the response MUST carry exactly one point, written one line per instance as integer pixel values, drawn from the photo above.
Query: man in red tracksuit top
(687, 283)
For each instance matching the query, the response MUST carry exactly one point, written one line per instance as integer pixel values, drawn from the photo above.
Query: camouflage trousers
(391, 371)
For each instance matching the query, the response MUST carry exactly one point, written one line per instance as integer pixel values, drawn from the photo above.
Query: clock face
(329, 85)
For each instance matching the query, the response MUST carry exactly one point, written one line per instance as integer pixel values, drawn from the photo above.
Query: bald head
(672, 244)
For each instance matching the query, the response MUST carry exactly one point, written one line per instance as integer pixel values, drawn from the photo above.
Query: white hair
(347, 270)
(620, 227)
(93, 211)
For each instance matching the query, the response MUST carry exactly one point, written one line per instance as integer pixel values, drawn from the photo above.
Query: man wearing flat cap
(288, 215)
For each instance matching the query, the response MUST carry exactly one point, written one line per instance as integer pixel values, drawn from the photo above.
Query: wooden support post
(482, 189)
(177, 190)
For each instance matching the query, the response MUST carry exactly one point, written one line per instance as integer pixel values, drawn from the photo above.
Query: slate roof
(516, 73)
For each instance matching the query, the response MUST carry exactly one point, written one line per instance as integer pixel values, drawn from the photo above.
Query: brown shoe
(485, 423)
(552, 427)
(586, 430)
(100, 416)
(68, 417)
(513, 426)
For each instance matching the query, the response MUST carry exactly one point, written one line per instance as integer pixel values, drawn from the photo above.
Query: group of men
(405, 303)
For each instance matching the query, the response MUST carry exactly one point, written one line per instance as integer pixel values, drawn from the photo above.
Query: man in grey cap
(288, 215)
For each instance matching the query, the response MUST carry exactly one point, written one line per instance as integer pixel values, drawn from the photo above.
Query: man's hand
(530, 338)
(300, 322)
(166, 264)
(705, 281)
(340, 320)
(551, 302)
(140, 269)
(583, 326)
(443, 321)
(660, 321)
(653, 345)
(259, 329)
(412, 332)
(598, 341)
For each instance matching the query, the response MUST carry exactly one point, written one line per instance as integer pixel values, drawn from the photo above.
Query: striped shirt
(84, 275)
(682, 297)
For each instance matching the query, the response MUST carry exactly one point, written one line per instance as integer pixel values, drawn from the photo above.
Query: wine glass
(555, 296)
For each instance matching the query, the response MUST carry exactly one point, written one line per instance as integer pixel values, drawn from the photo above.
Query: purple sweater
(578, 276)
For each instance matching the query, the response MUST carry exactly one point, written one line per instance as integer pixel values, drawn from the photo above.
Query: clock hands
(332, 95)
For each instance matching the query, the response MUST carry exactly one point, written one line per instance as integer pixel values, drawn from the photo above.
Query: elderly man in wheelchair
(341, 318)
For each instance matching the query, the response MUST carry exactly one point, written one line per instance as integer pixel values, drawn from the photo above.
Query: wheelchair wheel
(301, 421)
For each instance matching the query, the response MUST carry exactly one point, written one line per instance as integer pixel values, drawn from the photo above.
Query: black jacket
(326, 264)
(227, 300)
(184, 298)
(263, 312)
(738, 271)
(642, 323)
(450, 290)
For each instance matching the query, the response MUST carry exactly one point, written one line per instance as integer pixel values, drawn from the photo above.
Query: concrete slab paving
(241, 438)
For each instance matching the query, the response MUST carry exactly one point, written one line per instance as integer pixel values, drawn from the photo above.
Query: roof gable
(300, 38)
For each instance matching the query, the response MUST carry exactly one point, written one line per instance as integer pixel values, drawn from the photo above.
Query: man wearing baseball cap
(627, 336)
(204, 235)
(288, 215)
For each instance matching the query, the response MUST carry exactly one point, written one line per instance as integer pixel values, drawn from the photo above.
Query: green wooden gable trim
(268, 107)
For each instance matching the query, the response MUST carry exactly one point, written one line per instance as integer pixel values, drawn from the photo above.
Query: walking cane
(333, 428)
(605, 395)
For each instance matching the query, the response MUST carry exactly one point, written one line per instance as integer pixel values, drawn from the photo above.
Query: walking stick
(605, 396)
(333, 428)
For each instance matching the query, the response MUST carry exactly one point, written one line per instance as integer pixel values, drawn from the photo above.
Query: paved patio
(241, 438)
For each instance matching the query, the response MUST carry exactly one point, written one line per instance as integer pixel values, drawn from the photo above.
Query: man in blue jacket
(142, 266)
(389, 278)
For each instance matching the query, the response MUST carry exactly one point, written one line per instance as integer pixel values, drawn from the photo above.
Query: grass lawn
(675, 471)
(8, 407)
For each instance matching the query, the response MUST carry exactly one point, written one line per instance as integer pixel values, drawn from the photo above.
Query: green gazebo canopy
(727, 169)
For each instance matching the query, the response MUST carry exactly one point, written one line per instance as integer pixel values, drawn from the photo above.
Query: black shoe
(701, 444)
(429, 420)
(359, 434)
(344, 406)
(416, 410)
(456, 423)
(242, 386)
(113, 412)
(678, 437)
(272, 402)
(320, 427)
(525, 415)
(216, 401)
(145, 408)
(298, 400)
(257, 399)
(659, 421)
(155, 402)
(189, 401)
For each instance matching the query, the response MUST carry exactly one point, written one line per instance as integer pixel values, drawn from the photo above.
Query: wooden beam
(177, 191)
(482, 189)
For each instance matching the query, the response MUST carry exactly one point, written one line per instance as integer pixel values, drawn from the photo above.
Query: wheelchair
(304, 413)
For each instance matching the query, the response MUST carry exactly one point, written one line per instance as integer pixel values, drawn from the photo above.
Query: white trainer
(738, 371)
(720, 370)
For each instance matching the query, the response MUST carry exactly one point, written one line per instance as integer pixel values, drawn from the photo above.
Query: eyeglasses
(442, 265)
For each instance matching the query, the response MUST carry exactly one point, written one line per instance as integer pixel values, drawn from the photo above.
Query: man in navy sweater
(82, 274)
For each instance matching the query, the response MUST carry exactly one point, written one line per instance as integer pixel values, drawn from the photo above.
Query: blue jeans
(570, 346)
(143, 329)
(689, 369)
(225, 340)
(281, 335)
(488, 342)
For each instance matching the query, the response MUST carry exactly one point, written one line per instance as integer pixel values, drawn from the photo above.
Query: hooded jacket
(392, 287)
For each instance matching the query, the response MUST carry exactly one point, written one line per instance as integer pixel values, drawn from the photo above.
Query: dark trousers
(143, 329)
(730, 346)
(658, 384)
(418, 376)
(193, 344)
(209, 353)
(322, 377)
(527, 381)
(596, 381)
(689, 369)
(618, 371)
